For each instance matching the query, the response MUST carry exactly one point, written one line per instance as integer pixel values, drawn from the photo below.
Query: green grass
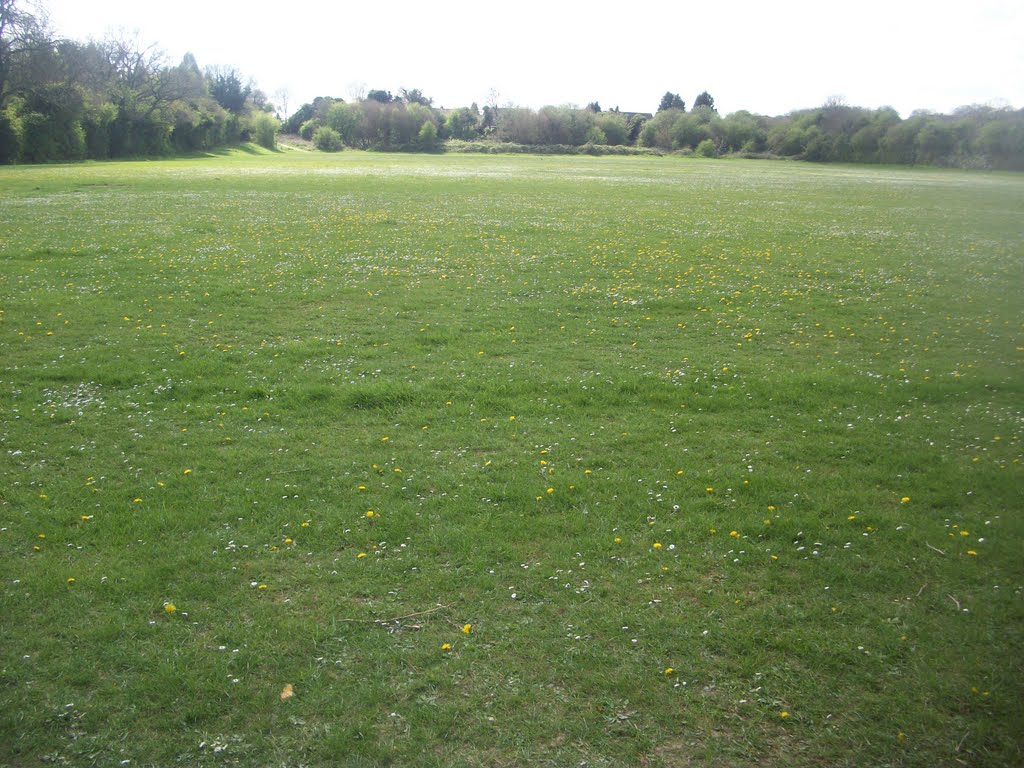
(755, 422)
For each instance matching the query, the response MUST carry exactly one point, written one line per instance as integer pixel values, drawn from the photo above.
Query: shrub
(344, 118)
(707, 148)
(503, 147)
(264, 130)
(427, 137)
(48, 140)
(327, 139)
(461, 124)
(614, 127)
(308, 128)
(10, 139)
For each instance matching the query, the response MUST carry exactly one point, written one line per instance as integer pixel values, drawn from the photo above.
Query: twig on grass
(958, 746)
(957, 602)
(923, 586)
(935, 548)
(396, 618)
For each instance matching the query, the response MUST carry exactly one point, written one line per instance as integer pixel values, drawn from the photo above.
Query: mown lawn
(313, 460)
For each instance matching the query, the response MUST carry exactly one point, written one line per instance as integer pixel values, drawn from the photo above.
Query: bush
(344, 118)
(505, 147)
(48, 140)
(427, 137)
(614, 128)
(707, 148)
(327, 139)
(10, 139)
(308, 128)
(264, 130)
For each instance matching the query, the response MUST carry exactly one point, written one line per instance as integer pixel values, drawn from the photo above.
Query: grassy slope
(532, 370)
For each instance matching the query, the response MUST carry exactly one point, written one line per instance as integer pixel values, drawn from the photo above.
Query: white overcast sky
(767, 57)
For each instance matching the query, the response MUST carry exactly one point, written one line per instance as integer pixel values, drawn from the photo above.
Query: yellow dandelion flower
(71, 580)
(187, 472)
(618, 539)
(904, 500)
(972, 552)
(783, 715)
(371, 514)
(551, 490)
(446, 646)
(734, 534)
(360, 556)
(169, 608)
(262, 586)
(669, 671)
(657, 545)
(467, 628)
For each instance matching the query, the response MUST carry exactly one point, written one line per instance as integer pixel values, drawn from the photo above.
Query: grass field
(363, 459)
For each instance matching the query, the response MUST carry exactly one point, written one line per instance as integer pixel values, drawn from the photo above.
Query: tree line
(972, 137)
(62, 100)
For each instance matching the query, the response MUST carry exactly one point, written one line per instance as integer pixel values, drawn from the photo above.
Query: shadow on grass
(248, 148)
